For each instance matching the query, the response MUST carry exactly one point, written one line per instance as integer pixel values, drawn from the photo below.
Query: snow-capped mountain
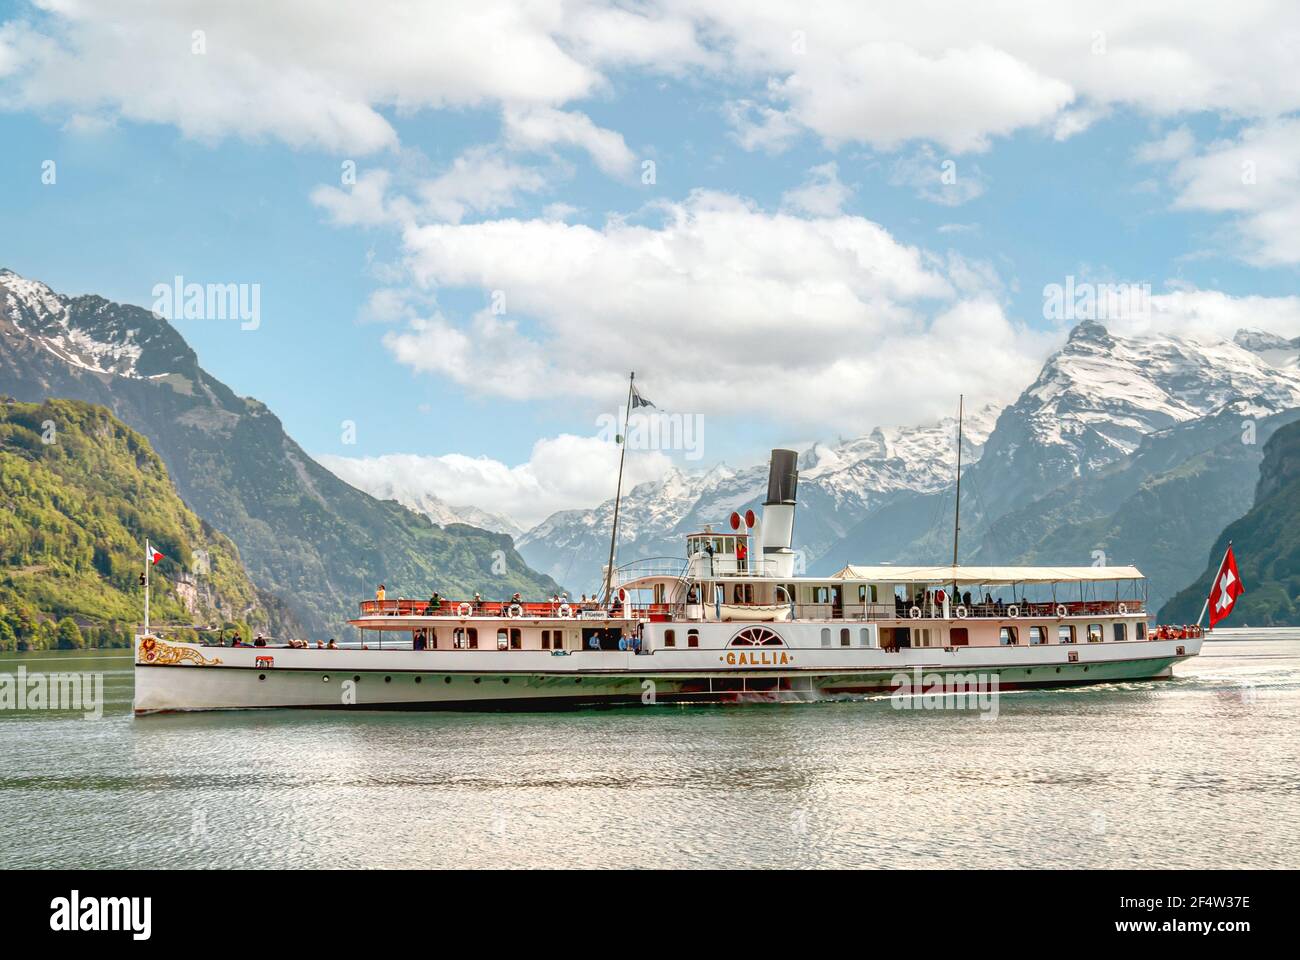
(436, 509)
(1099, 395)
(91, 333)
(839, 485)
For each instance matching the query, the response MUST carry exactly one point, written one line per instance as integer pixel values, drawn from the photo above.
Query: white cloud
(1215, 314)
(821, 195)
(724, 308)
(1175, 145)
(1256, 179)
(365, 203)
(315, 76)
(564, 472)
(943, 180)
(480, 181)
(759, 127)
(538, 128)
(951, 74)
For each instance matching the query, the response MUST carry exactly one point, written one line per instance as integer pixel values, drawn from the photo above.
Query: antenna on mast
(618, 494)
(956, 520)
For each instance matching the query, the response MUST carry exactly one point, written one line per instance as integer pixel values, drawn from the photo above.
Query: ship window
(1065, 633)
(864, 637)
(516, 638)
(959, 637)
(692, 638)
(1120, 632)
(1140, 630)
(1008, 637)
(826, 636)
(546, 639)
(1095, 634)
(844, 637)
(503, 640)
(1037, 636)
(670, 638)
(473, 638)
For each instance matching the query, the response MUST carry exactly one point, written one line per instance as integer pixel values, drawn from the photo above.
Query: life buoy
(515, 611)
(915, 613)
(1123, 609)
(464, 610)
(961, 611)
(622, 595)
(565, 610)
(1013, 611)
(1061, 611)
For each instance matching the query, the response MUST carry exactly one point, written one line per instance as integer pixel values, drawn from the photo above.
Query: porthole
(1058, 669)
(418, 679)
(325, 679)
(356, 678)
(388, 679)
(579, 680)
(261, 676)
(478, 679)
(1085, 669)
(446, 679)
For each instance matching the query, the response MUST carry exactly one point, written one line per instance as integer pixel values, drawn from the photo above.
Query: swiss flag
(1226, 589)
(154, 556)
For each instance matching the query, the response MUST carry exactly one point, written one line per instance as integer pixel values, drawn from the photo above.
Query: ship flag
(1226, 588)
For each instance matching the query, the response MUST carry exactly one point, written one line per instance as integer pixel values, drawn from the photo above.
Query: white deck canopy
(978, 575)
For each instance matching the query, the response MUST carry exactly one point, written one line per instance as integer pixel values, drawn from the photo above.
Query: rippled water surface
(1199, 771)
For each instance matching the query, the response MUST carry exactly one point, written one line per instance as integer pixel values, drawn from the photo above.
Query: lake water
(1199, 771)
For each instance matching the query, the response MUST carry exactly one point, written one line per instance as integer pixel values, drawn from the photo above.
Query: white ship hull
(211, 678)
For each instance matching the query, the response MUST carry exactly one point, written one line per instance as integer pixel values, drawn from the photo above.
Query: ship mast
(618, 494)
(956, 520)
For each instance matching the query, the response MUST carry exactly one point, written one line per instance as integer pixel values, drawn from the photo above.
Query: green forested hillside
(1266, 542)
(312, 540)
(79, 494)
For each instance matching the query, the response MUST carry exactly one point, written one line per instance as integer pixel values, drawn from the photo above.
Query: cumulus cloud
(724, 307)
(562, 473)
(1256, 179)
(946, 73)
(821, 195)
(942, 180)
(538, 128)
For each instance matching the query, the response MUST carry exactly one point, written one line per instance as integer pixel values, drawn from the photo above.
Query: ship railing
(530, 610)
(975, 611)
(669, 567)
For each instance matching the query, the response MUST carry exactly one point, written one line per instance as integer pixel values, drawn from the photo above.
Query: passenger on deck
(379, 592)
(965, 598)
(435, 602)
(259, 641)
(320, 644)
(331, 645)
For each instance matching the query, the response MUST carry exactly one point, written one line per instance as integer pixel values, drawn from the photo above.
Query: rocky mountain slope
(80, 493)
(304, 534)
(1266, 541)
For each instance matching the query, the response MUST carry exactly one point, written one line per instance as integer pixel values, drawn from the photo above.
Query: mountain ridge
(304, 534)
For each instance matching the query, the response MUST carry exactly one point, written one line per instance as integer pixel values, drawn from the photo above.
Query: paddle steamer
(729, 622)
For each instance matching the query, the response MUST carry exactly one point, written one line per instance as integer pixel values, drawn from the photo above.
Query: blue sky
(224, 166)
